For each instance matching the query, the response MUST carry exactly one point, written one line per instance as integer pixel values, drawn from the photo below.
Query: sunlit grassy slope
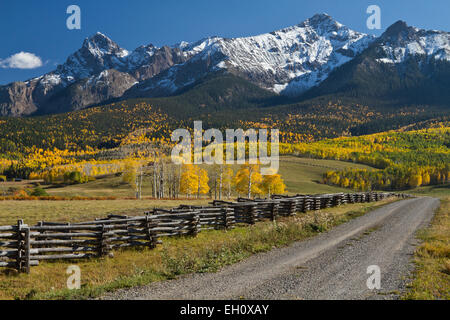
(301, 175)
(431, 279)
(304, 176)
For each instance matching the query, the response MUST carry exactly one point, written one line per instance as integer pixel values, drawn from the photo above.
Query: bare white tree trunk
(155, 172)
(220, 182)
(250, 170)
(141, 174)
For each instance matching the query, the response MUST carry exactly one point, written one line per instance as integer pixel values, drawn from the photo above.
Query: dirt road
(332, 265)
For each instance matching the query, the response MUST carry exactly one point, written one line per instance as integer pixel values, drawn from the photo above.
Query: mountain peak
(401, 41)
(321, 17)
(98, 53)
(322, 21)
(396, 29)
(288, 61)
(100, 45)
(99, 35)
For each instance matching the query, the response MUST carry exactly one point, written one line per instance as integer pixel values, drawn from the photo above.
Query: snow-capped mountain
(405, 64)
(97, 54)
(401, 41)
(100, 70)
(288, 62)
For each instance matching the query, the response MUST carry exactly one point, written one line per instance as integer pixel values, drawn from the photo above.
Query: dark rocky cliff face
(16, 99)
(107, 85)
(161, 60)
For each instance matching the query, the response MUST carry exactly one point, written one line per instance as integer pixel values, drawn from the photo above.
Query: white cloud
(21, 60)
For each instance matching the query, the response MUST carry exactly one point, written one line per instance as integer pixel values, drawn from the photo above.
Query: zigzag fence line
(23, 246)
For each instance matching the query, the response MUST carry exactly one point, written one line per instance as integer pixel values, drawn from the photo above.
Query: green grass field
(300, 175)
(441, 191)
(304, 176)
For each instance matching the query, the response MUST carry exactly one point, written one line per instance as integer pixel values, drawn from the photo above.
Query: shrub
(20, 194)
(75, 177)
(38, 192)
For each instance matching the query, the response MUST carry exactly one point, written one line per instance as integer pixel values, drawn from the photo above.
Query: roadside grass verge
(208, 252)
(431, 279)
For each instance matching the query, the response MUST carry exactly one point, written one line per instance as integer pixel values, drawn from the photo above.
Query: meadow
(305, 175)
(301, 175)
(33, 211)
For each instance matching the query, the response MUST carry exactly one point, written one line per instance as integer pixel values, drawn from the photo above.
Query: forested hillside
(220, 102)
(404, 159)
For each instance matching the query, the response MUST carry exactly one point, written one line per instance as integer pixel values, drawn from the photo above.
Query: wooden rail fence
(23, 246)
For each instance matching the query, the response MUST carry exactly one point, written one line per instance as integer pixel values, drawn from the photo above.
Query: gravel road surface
(332, 265)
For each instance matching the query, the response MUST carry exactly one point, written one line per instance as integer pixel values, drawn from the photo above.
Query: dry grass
(74, 211)
(432, 276)
(207, 252)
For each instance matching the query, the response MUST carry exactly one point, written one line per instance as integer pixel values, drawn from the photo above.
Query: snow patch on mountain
(290, 60)
(401, 41)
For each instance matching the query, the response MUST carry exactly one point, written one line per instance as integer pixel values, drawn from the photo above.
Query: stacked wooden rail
(23, 246)
(251, 211)
(15, 248)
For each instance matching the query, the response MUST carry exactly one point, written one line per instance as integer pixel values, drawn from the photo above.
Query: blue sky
(39, 27)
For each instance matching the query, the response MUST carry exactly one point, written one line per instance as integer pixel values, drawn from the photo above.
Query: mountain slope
(317, 58)
(405, 65)
(223, 102)
(99, 71)
(287, 61)
(218, 92)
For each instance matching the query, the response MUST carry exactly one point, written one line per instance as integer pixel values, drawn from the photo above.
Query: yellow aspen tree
(189, 180)
(426, 179)
(415, 181)
(202, 181)
(222, 179)
(345, 182)
(227, 179)
(273, 184)
(248, 180)
(130, 174)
